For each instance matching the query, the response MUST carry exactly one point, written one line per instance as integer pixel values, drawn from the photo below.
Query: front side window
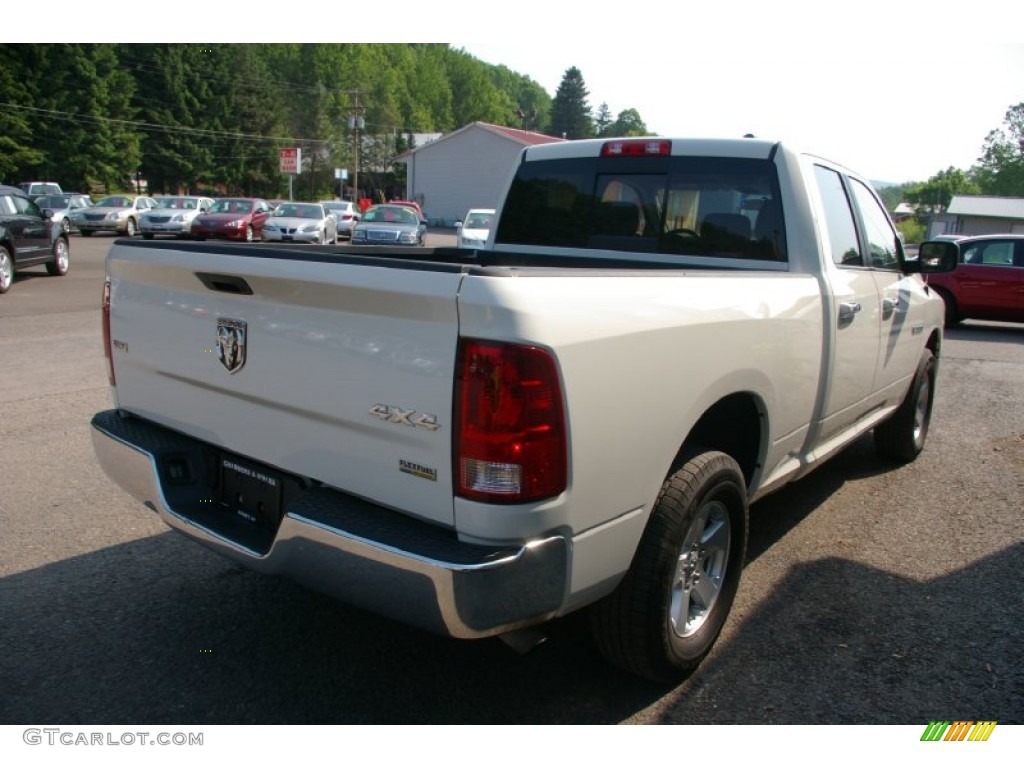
(27, 207)
(883, 242)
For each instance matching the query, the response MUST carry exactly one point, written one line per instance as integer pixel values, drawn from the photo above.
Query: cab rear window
(705, 206)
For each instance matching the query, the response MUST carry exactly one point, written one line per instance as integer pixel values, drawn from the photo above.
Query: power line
(143, 126)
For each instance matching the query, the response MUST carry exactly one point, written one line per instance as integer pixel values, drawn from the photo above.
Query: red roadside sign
(291, 160)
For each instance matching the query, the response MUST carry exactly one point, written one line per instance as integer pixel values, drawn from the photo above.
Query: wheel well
(733, 425)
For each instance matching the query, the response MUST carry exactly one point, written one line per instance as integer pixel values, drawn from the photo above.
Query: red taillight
(106, 332)
(636, 148)
(509, 423)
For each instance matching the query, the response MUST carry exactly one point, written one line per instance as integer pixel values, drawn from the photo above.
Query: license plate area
(250, 493)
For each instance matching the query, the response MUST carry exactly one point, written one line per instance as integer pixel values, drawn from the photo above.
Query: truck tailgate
(336, 370)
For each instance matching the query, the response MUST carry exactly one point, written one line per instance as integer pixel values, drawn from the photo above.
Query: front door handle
(847, 311)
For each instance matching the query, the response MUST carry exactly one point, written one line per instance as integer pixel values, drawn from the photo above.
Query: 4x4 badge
(231, 343)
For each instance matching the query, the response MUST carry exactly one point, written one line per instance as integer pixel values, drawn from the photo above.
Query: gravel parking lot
(873, 594)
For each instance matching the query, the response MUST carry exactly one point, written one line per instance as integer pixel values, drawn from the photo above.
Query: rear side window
(705, 206)
(842, 229)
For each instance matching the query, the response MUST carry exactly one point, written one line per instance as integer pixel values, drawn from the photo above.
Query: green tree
(628, 123)
(17, 148)
(570, 111)
(82, 117)
(603, 120)
(1001, 169)
(172, 89)
(247, 111)
(937, 193)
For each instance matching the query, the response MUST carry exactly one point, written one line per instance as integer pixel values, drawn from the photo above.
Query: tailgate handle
(225, 283)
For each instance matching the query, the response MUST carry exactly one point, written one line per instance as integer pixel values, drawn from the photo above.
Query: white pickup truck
(659, 332)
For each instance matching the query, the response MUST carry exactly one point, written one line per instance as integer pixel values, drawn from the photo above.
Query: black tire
(901, 437)
(129, 228)
(6, 269)
(952, 316)
(61, 262)
(657, 623)
(86, 233)
(147, 235)
(65, 225)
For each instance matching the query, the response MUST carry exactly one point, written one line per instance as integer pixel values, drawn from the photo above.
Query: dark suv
(28, 237)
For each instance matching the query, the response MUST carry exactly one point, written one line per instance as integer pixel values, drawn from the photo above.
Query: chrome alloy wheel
(6, 270)
(701, 568)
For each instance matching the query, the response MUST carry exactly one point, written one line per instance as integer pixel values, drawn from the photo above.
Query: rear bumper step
(346, 547)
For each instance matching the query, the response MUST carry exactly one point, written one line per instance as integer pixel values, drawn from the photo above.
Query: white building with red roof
(467, 168)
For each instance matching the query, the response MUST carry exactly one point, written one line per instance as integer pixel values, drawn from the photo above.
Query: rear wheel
(58, 266)
(665, 615)
(901, 437)
(6, 270)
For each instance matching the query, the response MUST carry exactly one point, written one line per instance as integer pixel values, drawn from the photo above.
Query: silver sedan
(301, 223)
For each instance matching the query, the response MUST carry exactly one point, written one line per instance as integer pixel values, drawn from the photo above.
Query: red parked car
(411, 204)
(988, 281)
(232, 218)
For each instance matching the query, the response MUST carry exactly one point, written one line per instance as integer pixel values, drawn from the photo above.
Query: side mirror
(458, 225)
(935, 256)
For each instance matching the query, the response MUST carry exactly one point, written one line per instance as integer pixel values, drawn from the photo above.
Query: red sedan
(988, 281)
(232, 218)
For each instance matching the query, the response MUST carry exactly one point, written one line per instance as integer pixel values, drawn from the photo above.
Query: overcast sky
(896, 90)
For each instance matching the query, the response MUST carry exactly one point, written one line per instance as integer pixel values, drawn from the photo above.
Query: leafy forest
(192, 117)
(212, 118)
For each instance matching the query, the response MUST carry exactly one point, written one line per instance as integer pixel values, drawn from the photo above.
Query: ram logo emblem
(231, 336)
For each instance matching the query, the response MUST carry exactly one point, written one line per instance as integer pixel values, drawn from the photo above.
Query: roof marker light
(636, 148)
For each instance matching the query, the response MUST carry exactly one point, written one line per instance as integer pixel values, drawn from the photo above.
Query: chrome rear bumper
(351, 549)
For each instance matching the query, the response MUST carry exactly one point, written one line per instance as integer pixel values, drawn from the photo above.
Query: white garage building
(464, 169)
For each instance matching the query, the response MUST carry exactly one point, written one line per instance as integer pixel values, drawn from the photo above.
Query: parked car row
(245, 219)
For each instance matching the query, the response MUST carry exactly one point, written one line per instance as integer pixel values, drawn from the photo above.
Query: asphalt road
(872, 595)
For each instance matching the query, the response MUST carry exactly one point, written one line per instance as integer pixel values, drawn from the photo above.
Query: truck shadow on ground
(160, 631)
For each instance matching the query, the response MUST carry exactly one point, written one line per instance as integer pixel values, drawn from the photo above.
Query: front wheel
(951, 318)
(250, 235)
(6, 270)
(58, 266)
(901, 437)
(665, 615)
(129, 228)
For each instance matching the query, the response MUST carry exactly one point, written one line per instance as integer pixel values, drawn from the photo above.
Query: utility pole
(356, 124)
